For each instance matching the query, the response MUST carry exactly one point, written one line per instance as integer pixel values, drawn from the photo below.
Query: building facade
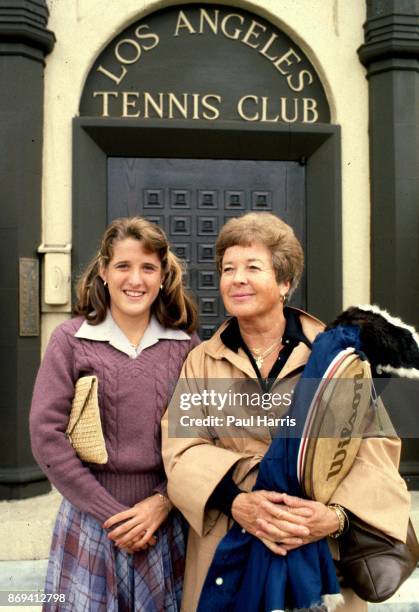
(189, 113)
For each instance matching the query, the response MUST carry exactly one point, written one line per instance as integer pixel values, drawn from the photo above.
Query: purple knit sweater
(133, 395)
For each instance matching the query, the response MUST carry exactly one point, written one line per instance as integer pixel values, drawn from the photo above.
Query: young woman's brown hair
(174, 307)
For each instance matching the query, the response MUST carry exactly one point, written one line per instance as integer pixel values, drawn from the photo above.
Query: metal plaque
(28, 296)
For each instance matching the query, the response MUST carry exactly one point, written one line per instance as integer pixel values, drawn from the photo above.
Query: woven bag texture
(84, 427)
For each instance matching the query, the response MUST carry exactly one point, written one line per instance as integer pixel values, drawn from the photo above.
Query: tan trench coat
(373, 490)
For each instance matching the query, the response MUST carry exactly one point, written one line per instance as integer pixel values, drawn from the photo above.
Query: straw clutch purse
(84, 429)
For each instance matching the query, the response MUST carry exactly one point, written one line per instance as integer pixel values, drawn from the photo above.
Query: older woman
(210, 478)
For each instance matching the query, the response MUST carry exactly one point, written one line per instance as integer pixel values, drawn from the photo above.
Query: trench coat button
(219, 581)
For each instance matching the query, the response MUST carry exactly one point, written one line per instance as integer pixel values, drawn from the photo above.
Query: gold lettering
(267, 46)
(195, 106)
(241, 112)
(235, 35)
(300, 80)
(111, 76)
(127, 103)
(210, 107)
(284, 117)
(183, 22)
(105, 100)
(157, 107)
(310, 106)
(285, 59)
(265, 117)
(132, 43)
(251, 33)
(146, 36)
(174, 101)
(212, 24)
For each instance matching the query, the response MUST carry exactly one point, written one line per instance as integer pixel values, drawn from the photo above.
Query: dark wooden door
(191, 199)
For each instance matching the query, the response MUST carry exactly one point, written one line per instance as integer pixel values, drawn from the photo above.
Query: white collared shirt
(108, 331)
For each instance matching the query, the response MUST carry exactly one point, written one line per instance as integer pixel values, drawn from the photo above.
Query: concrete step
(31, 522)
(23, 575)
(16, 576)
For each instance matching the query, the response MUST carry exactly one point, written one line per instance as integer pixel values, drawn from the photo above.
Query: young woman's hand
(136, 526)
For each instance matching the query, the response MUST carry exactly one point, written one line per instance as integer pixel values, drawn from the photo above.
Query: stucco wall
(328, 31)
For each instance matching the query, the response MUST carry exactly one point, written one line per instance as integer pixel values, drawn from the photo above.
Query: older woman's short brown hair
(275, 234)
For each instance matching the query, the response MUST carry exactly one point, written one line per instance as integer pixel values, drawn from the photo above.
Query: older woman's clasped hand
(283, 522)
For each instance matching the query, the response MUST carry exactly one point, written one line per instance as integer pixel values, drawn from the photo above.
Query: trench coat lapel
(296, 360)
(216, 349)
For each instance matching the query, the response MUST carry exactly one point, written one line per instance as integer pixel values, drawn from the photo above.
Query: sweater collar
(108, 331)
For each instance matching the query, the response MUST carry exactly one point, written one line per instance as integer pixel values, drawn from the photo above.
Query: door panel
(191, 199)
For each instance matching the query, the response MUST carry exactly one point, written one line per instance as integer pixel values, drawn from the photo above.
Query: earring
(161, 286)
(105, 283)
(283, 298)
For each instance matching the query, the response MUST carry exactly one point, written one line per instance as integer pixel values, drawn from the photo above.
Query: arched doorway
(201, 112)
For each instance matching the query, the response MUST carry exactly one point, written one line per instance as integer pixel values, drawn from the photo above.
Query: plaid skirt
(93, 575)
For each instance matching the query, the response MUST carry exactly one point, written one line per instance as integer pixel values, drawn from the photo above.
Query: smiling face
(248, 285)
(134, 276)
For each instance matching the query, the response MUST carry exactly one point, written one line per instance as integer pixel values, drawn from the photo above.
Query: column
(391, 56)
(24, 42)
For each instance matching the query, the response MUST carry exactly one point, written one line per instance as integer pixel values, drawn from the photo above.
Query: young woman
(116, 545)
